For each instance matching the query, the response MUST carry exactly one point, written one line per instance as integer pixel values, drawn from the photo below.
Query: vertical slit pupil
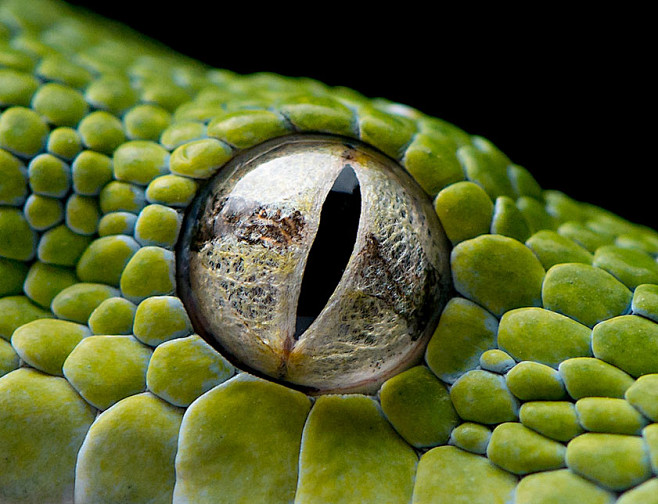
(332, 248)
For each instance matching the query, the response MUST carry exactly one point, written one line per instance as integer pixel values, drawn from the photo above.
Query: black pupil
(332, 248)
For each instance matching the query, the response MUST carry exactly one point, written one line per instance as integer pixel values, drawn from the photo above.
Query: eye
(315, 261)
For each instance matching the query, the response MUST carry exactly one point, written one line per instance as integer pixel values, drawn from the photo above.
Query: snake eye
(315, 261)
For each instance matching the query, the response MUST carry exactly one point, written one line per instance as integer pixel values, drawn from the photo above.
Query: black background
(566, 94)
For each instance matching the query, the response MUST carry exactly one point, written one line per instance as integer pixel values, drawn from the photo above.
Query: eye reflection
(314, 261)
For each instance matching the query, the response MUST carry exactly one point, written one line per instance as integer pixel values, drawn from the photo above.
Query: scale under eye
(315, 261)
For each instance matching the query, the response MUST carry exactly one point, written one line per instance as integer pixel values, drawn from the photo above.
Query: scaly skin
(539, 384)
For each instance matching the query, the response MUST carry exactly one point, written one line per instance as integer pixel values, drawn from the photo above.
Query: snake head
(253, 288)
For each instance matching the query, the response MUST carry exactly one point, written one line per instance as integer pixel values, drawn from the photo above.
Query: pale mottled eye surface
(315, 261)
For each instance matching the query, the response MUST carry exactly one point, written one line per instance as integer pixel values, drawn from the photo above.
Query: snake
(225, 288)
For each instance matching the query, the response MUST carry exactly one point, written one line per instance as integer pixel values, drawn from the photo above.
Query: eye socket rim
(184, 290)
